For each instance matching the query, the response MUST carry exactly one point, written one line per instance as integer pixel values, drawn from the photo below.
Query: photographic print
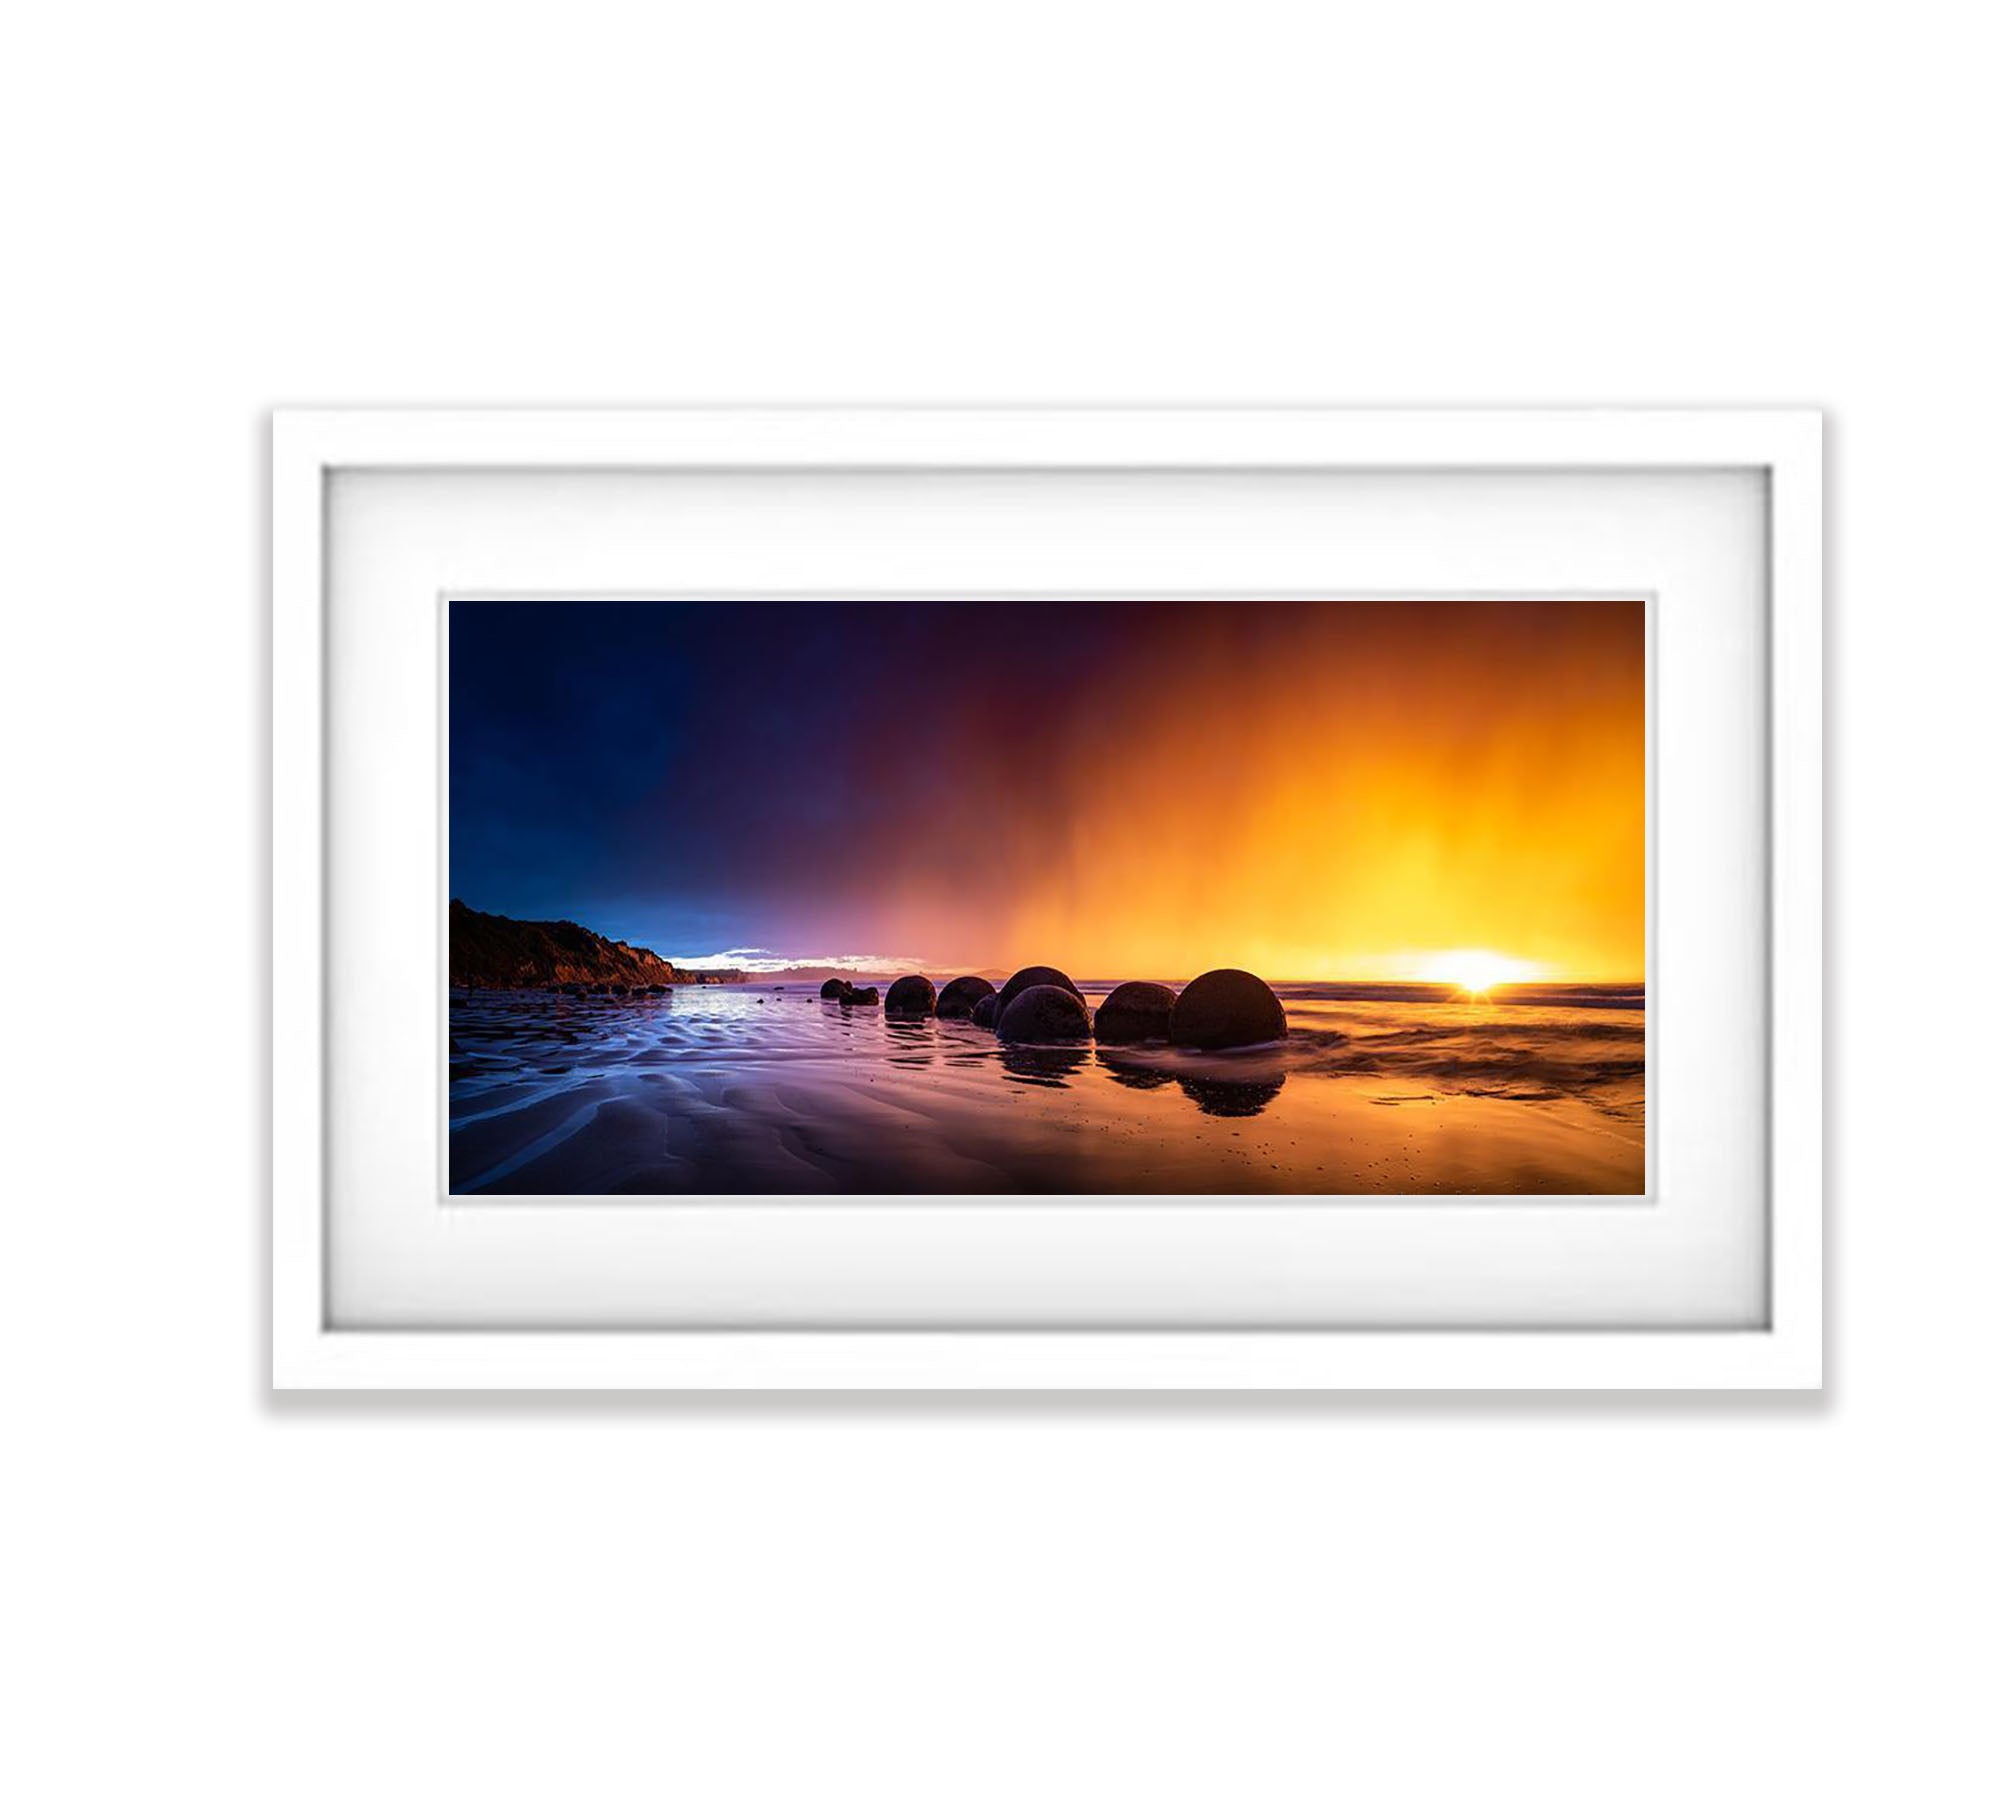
(1094, 897)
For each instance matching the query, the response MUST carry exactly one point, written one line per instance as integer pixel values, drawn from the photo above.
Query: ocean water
(765, 1089)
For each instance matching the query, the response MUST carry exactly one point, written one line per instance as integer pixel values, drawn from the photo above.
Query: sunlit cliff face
(1310, 790)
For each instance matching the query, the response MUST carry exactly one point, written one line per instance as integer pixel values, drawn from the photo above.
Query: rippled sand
(751, 1090)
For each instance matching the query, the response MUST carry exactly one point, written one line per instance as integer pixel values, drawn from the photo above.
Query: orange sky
(1347, 791)
(1309, 789)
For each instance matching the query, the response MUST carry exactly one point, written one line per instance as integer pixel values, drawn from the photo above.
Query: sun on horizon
(1476, 971)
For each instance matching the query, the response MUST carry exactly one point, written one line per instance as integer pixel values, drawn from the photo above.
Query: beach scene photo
(1067, 899)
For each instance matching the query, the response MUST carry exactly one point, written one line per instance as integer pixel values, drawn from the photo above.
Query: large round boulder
(1134, 1012)
(1045, 1015)
(1225, 1008)
(833, 988)
(1035, 976)
(959, 996)
(910, 997)
(986, 1011)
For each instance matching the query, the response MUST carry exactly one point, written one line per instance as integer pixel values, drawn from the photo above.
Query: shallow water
(760, 1089)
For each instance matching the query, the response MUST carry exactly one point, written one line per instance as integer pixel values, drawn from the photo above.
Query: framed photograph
(1046, 900)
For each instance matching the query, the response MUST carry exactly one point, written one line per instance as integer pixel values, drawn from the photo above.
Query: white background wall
(213, 208)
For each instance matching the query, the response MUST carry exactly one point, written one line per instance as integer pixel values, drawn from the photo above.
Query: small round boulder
(1224, 1009)
(1044, 1015)
(912, 996)
(960, 995)
(1134, 1012)
(834, 989)
(860, 997)
(1036, 975)
(986, 1011)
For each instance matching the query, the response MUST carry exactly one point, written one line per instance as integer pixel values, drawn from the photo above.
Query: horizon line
(915, 966)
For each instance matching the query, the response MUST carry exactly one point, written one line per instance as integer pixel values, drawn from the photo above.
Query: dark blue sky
(702, 777)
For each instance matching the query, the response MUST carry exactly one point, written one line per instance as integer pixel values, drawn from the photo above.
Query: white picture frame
(313, 1348)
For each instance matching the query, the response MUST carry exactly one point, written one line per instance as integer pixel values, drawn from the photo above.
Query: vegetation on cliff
(488, 951)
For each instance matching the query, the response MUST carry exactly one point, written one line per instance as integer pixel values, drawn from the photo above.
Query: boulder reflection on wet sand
(1042, 1065)
(912, 1042)
(1132, 1072)
(1232, 1096)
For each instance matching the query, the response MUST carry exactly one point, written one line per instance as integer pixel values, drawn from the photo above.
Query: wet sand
(748, 1090)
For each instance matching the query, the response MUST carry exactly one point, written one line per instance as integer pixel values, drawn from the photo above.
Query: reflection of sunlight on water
(1129, 1071)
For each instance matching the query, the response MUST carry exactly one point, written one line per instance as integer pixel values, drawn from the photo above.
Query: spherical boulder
(959, 996)
(833, 988)
(986, 1011)
(1133, 1012)
(1044, 1015)
(1035, 975)
(911, 996)
(855, 996)
(1225, 1008)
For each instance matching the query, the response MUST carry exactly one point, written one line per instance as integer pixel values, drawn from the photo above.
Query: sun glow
(1476, 971)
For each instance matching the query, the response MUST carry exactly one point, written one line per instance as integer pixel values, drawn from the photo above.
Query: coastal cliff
(488, 951)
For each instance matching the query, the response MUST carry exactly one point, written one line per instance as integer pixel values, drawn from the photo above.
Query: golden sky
(1345, 791)
(1362, 790)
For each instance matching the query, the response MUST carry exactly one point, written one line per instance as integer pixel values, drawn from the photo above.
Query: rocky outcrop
(489, 951)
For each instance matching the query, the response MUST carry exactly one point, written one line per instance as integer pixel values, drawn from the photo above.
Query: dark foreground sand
(747, 1091)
